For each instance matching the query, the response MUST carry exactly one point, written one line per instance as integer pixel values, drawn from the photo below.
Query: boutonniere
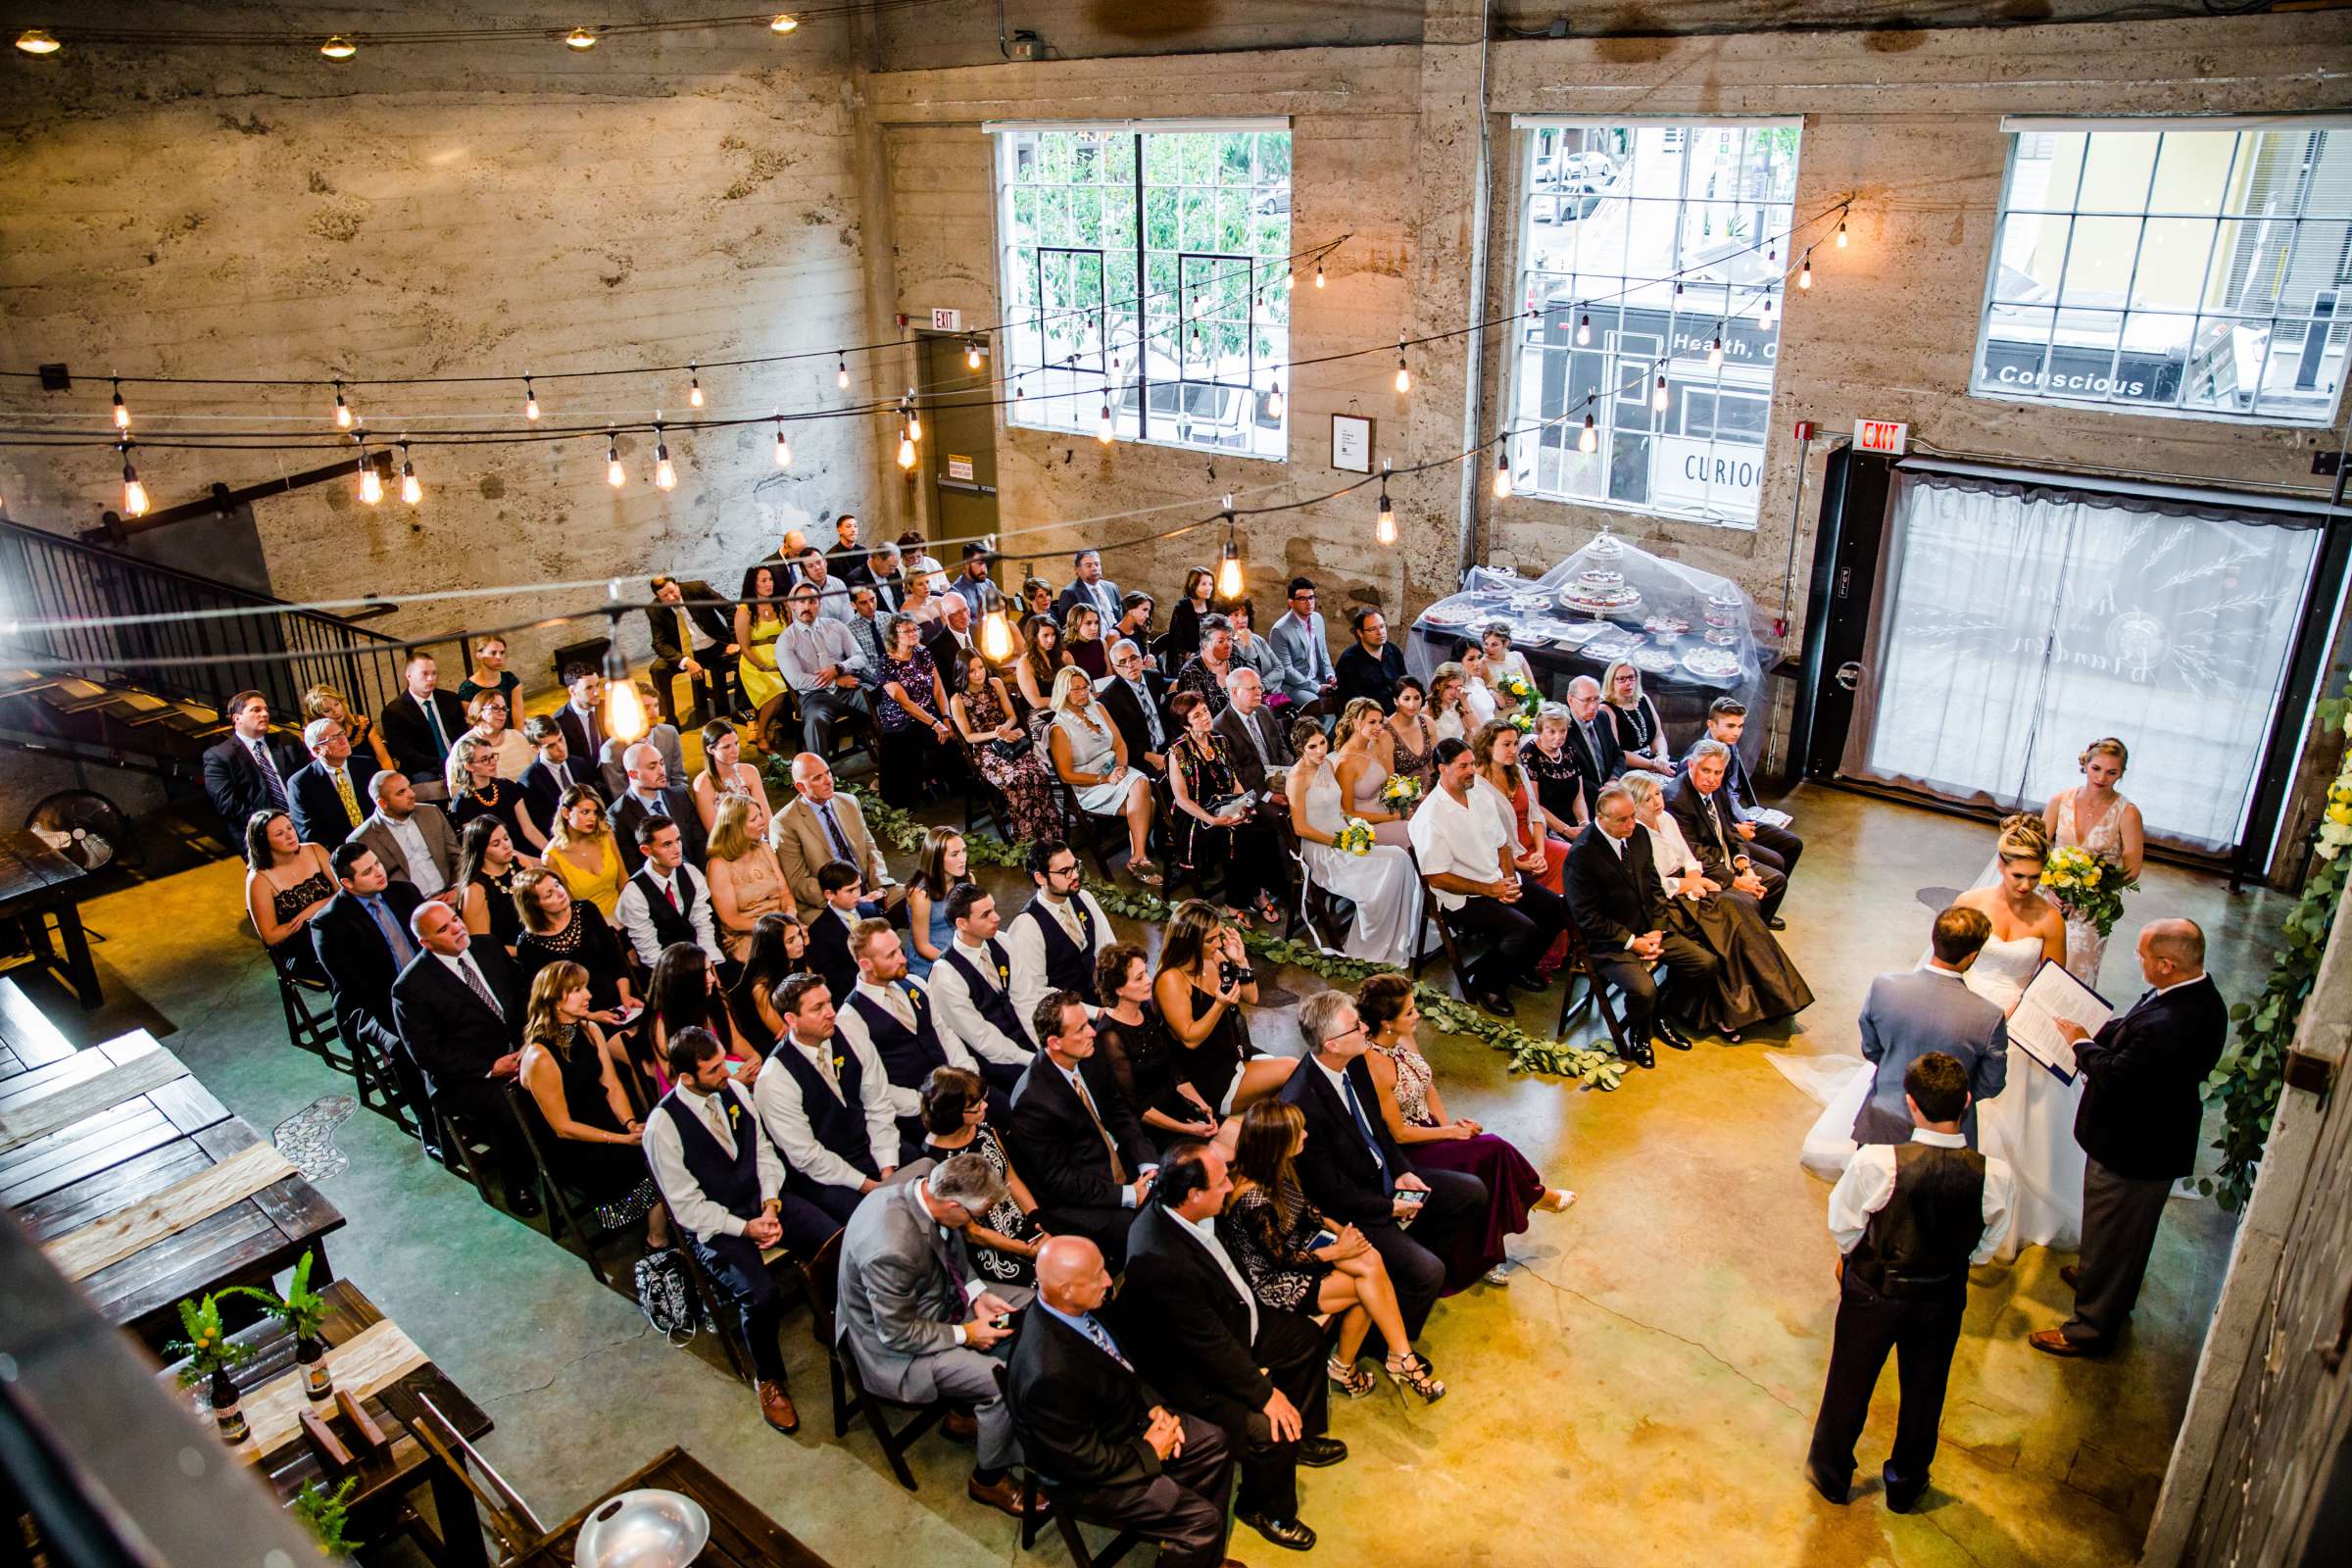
(837, 1061)
(734, 1112)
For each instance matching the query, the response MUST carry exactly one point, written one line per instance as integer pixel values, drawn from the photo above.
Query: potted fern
(326, 1512)
(210, 1353)
(303, 1312)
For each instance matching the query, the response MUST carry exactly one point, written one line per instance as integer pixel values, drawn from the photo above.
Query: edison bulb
(1658, 395)
(1502, 475)
(783, 450)
(1587, 439)
(905, 450)
(1404, 377)
(372, 485)
(1842, 233)
(841, 373)
(342, 413)
(409, 490)
(785, 22)
(1102, 427)
(1274, 401)
(665, 478)
(614, 474)
(971, 357)
(625, 711)
(915, 424)
(134, 495)
(530, 404)
(1584, 331)
(122, 412)
(1229, 577)
(1385, 530)
(996, 638)
(694, 394)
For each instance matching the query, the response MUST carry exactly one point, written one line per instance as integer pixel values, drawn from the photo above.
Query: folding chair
(850, 1397)
(310, 1009)
(564, 1205)
(1034, 1486)
(1431, 910)
(1580, 967)
(512, 1524)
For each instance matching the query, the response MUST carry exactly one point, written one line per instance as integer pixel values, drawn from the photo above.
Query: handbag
(1014, 751)
(662, 1297)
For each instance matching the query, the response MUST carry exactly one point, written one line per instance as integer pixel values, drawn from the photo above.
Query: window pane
(2193, 171)
(2116, 171)
(2172, 257)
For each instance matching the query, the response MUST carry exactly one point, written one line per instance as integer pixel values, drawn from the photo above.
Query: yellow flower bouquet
(2086, 887)
(1355, 838)
(1400, 791)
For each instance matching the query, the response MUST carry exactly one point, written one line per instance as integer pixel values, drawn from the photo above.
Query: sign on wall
(1886, 437)
(947, 321)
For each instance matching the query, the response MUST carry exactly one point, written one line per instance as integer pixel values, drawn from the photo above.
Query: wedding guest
(1470, 862)
(650, 797)
(1559, 781)
(1503, 661)
(1304, 673)
(2141, 1108)
(413, 839)
(1453, 718)
(1197, 1332)
(583, 852)
(1208, 666)
(941, 865)
(745, 881)
(487, 725)
(1215, 822)
(818, 824)
(1539, 841)
(1634, 722)
(1082, 640)
(1381, 883)
(832, 598)
(954, 1111)
(759, 625)
(831, 952)
(1133, 1038)
(485, 882)
(920, 562)
(247, 771)
(970, 989)
(971, 583)
(1203, 982)
(1479, 694)
(581, 718)
(1754, 980)
(692, 632)
(1006, 754)
(489, 673)
(819, 660)
(362, 943)
(1370, 665)
(724, 1184)
(2093, 815)
(1910, 1222)
(665, 899)
(1592, 739)
(1770, 843)
(1037, 598)
(1250, 650)
(778, 949)
(1362, 774)
(1137, 700)
(597, 1144)
(1355, 1171)
(323, 795)
(1277, 1237)
(1252, 732)
(458, 1006)
(1135, 624)
(1041, 662)
(724, 773)
(611, 758)
(825, 1104)
(684, 994)
(1086, 1418)
(477, 791)
(885, 571)
(846, 559)
(1091, 757)
(867, 617)
(1409, 741)
(951, 642)
(920, 602)
(325, 702)
(1184, 634)
(287, 883)
(1613, 892)
(555, 925)
(551, 773)
(1051, 944)
(1702, 808)
(910, 707)
(1415, 1115)
(1085, 1153)
(1088, 587)
(1906, 1016)
(421, 724)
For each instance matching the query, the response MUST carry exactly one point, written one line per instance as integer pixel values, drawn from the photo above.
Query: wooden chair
(465, 1151)
(309, 1004)
(1035, 1485)
(1084, 832)
(563, 1205)
(850, 1397)
(512, 1524)
(1582, 973)
(1431, 910)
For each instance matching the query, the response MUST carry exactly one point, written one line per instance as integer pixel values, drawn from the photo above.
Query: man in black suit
(1088, 587)
(1253, 732)
(1079, 1144)
(362, 937)
(1710, 825)
(951, 640)
(1137, 700)
(1369, 666)
(1200, 1337)
(1084, 1417)
(581, 718)
(328, 794)
(247, 771)
(422, 724)
(458, 1006)
(1613, 892)
(1357, 1174)
(829, 927)
(692, 637)
(2141, 1105)
(1769, 845)
(1592, 742)
(651, 794)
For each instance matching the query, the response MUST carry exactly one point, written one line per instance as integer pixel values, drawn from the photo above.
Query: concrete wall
(481, 208)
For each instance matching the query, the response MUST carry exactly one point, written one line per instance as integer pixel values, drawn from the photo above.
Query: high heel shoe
(1411, 1372)
(1556, 1198)
(1350, 1379)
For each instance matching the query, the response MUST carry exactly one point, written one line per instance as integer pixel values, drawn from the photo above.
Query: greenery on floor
(1595, 1070)
(2247, 1081)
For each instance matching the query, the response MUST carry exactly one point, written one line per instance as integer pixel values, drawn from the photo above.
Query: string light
(583, 39)
(1584, 331)
(914, 415)
(339, 47)
(996, 636)
(783, 447)
(841, 367)
(1017, 392)
(1589, 438)
(625, 710)
(134, 494)
(665, 478)
(972, 353)
(1290, 281)
(1404, 377)
(694, 389)
(785, 22)
(1804, 273)
(1318, 274)
(1102, 427)
(1842, 233)
(614, 474)
(1657, 396)
(342, 408)
(1229, 570)
(1715, 350)
(1274, 401)
(1503, 470)
(371, 483)
(906, 448)
(531, 400)
(122, 410)
(37, 41)
(1383, 531)
(409, 490)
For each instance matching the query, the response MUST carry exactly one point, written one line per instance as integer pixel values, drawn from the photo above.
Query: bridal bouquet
(1402, 790)
(2086, 886)
(1524, 720)
(1517, 689)
(1355, 838)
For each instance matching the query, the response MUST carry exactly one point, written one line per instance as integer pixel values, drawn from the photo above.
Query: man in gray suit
(411, 837)
(1307, 675)
(924, 1323)
(1929, 1008)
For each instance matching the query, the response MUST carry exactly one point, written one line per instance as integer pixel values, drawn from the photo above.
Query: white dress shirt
(636, 915)
(424, 872)
(1868, 1182)
(786, 1120)
(904, 1102)
(1025, 945)
(805, 649)
(1670, 853)
(1204, 1231)
(688, 1202)
(955, 1012)
(1464, 840)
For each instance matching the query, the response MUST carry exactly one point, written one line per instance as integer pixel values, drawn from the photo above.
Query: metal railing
(276, 648)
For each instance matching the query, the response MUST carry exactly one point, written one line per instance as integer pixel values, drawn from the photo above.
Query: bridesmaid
(1357, 763)
(1416, 1113)
(1408, 737)
(2093, 815)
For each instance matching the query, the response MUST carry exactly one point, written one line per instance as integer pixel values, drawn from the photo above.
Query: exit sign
(947, 321)
(1881, 436)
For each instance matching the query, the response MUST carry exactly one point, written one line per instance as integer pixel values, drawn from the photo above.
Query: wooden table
(386, 1476)
(114, 1158)
(37, 885)
(27, 1038)
(741, 1535)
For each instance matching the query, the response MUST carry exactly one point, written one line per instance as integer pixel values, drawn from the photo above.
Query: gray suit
(439, 840)
(900, 1305)
(1247, 763)
(1906, 1016)
(1305, 654)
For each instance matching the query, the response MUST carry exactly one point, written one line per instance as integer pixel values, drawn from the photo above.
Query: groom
(1930, 1008)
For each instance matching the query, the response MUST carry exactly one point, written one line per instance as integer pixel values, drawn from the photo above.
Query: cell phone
(1408, 1196)
(1003, 1320)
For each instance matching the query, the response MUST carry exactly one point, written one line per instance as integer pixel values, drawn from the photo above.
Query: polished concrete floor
(1641, 1393)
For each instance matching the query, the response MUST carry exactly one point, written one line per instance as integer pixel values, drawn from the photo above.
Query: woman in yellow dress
(583, 852)
(756, 628)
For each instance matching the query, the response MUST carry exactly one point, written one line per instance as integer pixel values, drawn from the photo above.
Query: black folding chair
(850, 1396)
(1037, 1486)
(563, 1205)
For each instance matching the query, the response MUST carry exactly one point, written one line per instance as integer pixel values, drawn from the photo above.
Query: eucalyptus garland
(1594, 1069)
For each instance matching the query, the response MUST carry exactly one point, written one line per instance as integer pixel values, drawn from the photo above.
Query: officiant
(2142, 1101)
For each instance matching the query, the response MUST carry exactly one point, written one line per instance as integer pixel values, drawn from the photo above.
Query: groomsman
(1911, 1220)
(1774, 848)
(2141, 1104)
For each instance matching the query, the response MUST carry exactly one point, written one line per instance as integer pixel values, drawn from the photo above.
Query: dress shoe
(1531, 982)
(1640, 1056)
(1498, 1004)
(523, 1203)
(1670, 1035)
(1003, 1495)
(775, 1408)
(1288, 1533)
(2053, 1342)
(1902, 1500)
(1775, 923)
(961, 1426)
(2073, 1277)
(1834, 1491)
(1316, 1452)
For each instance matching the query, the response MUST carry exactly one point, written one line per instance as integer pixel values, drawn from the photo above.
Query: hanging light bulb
(581, 39)
(785, 22)
(1102, 426)
(122, 410)
(1017, 392)
(1658, 395)
(371, 483)
(665, 478)
(134, 494)
(996, 634)
(914, 415)
(971, 355)
(342, 408)
(1229, 570)
(841, 369)
(38, 41)
(1842, 233)
(409, 490)
(1715, 350)
(1274, 401)
(1589, 438)
(694, 388)
(531, 400)
(1318, 274)
(1804, 273)
(625, 710)
(906, 447)
(1503, 470)
(614, 474)
(783, 447)
(1584, 331)
(339, 47)
(1290, 281)
(1405, 376)
(1383, 531)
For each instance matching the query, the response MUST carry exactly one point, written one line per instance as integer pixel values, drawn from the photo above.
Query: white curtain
(2015, 624)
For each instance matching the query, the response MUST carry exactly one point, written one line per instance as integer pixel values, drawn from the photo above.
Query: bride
(2093, 815)
(1382, 883)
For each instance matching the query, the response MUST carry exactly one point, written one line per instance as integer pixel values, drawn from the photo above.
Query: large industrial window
(1144, 275)
(2178, 268)
(1649, 250)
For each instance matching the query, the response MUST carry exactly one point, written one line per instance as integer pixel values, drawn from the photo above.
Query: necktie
(480, 987)
(685, 633)
(394, 937)
(350, 801)
(900, 1007)
(1592, 747)
(659, 807)
(1102, 1339)
(825, 1066)
(841, 842)
(669, 891)
(717, 1118)
(1363, 1128)
(432, 716)
(270, 779)
(1143, 700)
(1119, 1167)
(1069, 922)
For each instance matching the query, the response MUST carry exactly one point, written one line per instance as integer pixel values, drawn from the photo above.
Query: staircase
(151, 697)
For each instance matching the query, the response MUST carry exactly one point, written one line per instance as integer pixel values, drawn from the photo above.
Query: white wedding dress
(1382, 884)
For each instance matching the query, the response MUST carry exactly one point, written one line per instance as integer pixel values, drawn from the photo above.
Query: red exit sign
(1883, 436)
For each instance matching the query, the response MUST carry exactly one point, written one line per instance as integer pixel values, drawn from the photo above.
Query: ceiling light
(580, 38)
(785, 22)
(339, 47)
(37, 41)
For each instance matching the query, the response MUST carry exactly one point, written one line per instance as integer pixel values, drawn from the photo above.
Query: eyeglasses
(1344, 1033)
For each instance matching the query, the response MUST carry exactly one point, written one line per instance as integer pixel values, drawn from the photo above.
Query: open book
(2050, 995)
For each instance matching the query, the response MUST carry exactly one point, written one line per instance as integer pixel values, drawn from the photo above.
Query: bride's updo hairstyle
(2106, 746)
(2023, 836)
